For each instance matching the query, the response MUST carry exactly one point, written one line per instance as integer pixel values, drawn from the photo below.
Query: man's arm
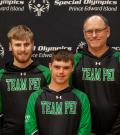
(1, 100)
(85, 120)
(46, 72)
(115, 130)
(1, 114)
(30, 116)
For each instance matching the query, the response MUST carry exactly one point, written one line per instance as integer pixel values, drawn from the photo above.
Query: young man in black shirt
(19, 79)
(58, 109)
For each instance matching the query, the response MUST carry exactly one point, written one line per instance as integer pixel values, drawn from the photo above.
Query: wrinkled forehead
(94, 21)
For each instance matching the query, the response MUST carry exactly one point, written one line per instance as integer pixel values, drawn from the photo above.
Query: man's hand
(93, 134)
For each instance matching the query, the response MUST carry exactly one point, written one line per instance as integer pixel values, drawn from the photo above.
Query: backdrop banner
(55, 23)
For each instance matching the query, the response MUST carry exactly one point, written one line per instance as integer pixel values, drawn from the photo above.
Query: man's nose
(94, 34)
(61, 70)
(22, 47)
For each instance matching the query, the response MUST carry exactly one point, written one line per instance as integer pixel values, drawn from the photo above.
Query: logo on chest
(59, 108)
(23, 84)
(98, 74)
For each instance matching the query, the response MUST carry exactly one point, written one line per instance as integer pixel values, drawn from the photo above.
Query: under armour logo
(58, 97)
(97, 63)
(1, 115)
(23, 74)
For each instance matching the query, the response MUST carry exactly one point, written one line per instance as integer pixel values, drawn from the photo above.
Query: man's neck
(98, 52)
(22, 65)
(58, 87)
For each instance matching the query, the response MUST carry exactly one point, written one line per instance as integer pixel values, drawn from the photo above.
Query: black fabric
(56, 124)
(104, 93)
(16, 86)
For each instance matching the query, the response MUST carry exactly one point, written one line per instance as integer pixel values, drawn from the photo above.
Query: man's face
(60, 71)
(96, 33)
(22, 50)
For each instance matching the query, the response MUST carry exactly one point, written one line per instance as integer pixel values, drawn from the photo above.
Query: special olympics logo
(1, 50)
(38, 7)
(80, 45)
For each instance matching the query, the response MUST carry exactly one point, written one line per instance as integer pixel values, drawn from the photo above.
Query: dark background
(56, 28)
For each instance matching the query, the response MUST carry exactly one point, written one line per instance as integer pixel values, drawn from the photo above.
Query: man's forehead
(94, 20)
(95, 17)
(21, 40)
(62, 62)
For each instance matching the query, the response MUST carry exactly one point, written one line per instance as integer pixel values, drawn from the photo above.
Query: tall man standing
(19, 79)
(97, 72)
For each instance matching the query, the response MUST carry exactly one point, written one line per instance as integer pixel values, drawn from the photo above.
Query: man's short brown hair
(62, 55)
(20, 32)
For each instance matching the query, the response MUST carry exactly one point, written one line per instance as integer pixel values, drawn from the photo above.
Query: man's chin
(61, 81)
(95, 46)
(23, 61)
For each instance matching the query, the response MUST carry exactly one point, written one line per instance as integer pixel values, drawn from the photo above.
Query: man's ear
(50, 66)
(73, 69)
(108, 32)
(10, 48)
(33, 46)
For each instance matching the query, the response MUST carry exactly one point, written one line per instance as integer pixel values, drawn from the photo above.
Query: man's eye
(98, 30)
(89, 31)
(57, 67)
(26, 45)
(17, 45)
(66, 67)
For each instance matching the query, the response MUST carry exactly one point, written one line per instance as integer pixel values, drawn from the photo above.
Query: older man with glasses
(97, 73)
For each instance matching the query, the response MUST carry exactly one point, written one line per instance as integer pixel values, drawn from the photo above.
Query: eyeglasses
(97, 31)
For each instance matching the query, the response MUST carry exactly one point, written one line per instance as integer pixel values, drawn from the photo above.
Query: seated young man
(58, 109)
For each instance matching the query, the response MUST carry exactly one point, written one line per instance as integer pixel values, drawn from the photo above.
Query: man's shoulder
(116, 54)
(35, 94)
(42, 68)
(2, 71)
(82, 97)
(78, 55)
(79, 93)
(77, 58)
